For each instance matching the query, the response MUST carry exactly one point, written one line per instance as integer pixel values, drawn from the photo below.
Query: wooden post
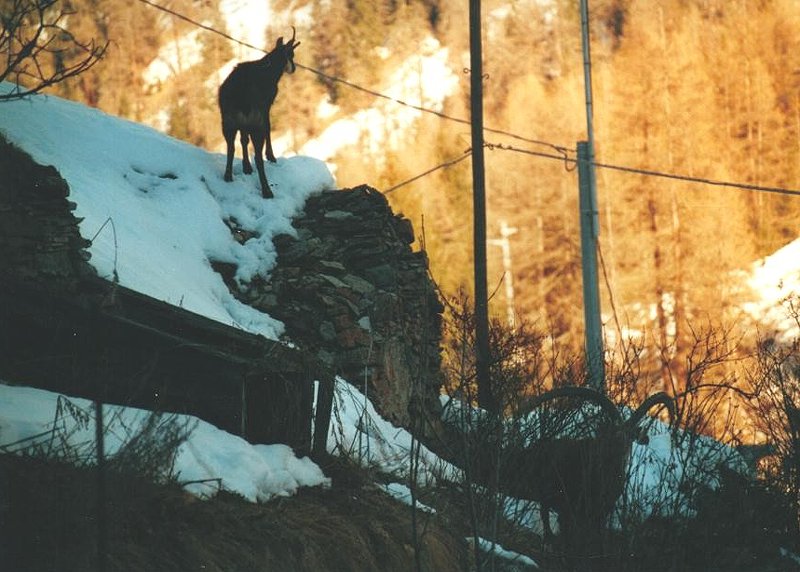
(322, 418)
(485, 396)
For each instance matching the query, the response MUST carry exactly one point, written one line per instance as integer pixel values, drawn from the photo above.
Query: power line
(559, 148)
(573, 162)
(650, 172)
(199, 24)
(702, 180)
(444, 165)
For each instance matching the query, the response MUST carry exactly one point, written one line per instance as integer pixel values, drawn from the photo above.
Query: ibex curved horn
(584, 393)
(291, 40)
(599, 398)
(659, 398)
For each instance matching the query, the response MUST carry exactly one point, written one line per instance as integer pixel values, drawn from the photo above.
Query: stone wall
(39, 238)
(351, 291)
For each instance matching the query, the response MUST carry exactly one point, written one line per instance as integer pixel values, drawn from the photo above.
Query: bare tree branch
(35, 43)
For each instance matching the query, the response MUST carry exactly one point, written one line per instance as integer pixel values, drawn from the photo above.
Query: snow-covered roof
(166, 204)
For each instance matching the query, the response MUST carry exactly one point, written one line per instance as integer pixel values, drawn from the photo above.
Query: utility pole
(591, 296)
(508, 278)
(590, 224)
(485, 397)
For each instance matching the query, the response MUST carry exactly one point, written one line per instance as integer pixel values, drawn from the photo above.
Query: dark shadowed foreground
(48, 522)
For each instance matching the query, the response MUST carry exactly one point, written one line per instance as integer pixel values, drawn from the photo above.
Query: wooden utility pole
(590, 224)
(485, 397)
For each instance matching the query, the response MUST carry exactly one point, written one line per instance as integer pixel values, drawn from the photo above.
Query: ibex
(580, 478)
(245, 98)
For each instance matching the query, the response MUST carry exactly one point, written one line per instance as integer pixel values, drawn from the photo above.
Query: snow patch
(775, 280)
(403, 494)
(489, 547)
(209, 456)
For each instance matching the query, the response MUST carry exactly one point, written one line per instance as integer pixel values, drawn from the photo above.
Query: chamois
(581, 478)
(245, 98)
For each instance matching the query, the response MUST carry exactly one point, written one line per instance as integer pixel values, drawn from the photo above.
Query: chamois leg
(230, 139)
(246, 167)
(258, 142)
(270, 154)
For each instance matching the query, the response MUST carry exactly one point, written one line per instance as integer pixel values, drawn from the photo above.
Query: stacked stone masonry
(39, 238)
(350, 289)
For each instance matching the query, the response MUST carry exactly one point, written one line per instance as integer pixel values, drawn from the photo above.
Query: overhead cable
(650, 172)
(444, 165)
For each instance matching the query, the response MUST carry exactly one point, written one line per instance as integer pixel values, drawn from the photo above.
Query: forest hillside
(697, 88)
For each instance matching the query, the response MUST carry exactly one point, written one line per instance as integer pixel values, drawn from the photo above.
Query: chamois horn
(583, 393)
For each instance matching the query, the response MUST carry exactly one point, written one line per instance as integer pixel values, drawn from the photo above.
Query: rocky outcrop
(351, 290)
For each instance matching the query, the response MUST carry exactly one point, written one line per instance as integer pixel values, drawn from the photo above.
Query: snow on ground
(358, 431)
(29, 417)
(257, 472)
(154, 207)
(402, 493)
(513, 558)
(665, 473)
(775, 280)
